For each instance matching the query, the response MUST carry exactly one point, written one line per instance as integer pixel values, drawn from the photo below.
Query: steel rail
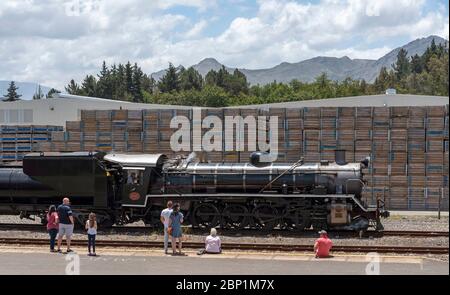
(120, 229)
(241, 246)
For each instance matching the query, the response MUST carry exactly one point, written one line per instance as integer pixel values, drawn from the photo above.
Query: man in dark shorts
(66, 224)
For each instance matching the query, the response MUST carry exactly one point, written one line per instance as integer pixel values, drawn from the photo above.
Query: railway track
(143, 229)
(240, 246)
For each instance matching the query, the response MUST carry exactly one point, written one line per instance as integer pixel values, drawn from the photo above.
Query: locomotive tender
(124, 188)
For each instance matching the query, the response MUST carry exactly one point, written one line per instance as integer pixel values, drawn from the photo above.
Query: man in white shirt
(165, 216)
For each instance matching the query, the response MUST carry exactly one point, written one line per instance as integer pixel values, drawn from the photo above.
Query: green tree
(38, 94)
(416, 64)
(129, 78)
(190, 79)
(12, 94)
(52, 92)
(104, 84)
(382, 81)
(138, 75)
(170, 81)
(89, 86)
(401, 66)
(213, 96)
(73, 88)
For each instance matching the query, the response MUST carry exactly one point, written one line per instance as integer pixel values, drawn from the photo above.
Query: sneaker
(59, 251)
(69, 251)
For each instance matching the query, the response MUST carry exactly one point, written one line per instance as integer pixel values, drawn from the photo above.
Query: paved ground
(132, 262)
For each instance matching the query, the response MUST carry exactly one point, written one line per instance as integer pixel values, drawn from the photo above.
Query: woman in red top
(52, 226)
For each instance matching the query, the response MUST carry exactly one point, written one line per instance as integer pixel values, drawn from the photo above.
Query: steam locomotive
(125, 188)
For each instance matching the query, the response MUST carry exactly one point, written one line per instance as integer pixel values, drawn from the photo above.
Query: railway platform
(36, 260)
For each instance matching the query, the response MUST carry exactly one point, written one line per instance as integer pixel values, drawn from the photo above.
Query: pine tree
(190, 79)
(137, 84)
(73, 88)
(38, 94)
(170, 81)
(104, 85)
(129, 78)
(89, 86)
(211, 78)
(52, 92)
(12, 94)
(401, 66)
(416, 64)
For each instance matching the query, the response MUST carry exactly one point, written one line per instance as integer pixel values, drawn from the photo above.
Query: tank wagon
(125, 188)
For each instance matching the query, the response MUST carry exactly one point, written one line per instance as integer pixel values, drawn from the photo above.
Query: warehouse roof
(362, 101)
(65, 107)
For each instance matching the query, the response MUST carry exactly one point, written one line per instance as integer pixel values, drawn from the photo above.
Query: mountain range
(307, 70)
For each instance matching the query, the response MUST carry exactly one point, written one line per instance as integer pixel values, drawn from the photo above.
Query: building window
(16, 116)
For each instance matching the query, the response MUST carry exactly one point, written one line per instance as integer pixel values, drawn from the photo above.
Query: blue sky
(73, 40)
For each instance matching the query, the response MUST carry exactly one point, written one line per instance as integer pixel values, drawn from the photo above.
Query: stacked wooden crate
(311, 134)
(408, 146)
(397, 162)
(328, 133)
(231, 156)
(294, 134)
(346, 132)
(150, 134)
(434, 161)
(17, 141)
(213, 134)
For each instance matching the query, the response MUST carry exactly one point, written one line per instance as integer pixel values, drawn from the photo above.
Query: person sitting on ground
(175, 221)
(213, 244)
(52, 226)
(91, 227)
(66, 223)
(323, 245)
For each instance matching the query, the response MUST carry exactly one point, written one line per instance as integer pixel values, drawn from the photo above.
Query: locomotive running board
(229, 195)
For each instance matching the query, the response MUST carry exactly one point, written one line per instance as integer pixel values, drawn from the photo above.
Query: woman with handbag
(175, 221)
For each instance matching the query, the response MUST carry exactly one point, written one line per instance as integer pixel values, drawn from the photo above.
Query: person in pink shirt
(323, 245)
(212, 244)
(52, 226)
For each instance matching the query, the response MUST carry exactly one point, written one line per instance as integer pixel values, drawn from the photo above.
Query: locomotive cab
(136, 181)
(138, 174)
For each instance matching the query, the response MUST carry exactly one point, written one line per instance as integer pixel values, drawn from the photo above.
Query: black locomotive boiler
(124, 188)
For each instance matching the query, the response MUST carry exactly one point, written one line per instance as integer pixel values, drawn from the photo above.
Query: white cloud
(40, 42)
(196, 30)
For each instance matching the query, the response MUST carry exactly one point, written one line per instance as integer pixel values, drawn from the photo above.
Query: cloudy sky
(53, 41)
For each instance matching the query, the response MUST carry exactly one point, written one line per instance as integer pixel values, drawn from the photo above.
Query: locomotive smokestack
(339, 156)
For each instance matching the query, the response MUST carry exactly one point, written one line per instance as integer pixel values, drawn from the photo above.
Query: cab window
(135, 177)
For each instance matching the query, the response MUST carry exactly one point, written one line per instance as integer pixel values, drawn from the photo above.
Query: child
(91, 227)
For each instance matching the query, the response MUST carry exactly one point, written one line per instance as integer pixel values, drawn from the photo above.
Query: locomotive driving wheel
(205, 215)
(296, 218)
(235, 216)
(266, 216)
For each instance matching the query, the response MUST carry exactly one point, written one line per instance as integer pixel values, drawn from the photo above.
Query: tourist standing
(91, 228)
(175, 221)
(165, 217)
(66, 224)
(52, 226)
